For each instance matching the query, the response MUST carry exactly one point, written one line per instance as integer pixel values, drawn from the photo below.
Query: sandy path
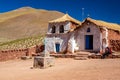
(64, 69)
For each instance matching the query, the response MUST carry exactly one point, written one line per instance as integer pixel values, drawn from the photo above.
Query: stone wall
(12, 54)
(114, 40)
(16, 54)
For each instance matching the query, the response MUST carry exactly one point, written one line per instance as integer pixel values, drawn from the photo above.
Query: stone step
(98, 56)
(80, 58)
(63, 55)
(83, 53)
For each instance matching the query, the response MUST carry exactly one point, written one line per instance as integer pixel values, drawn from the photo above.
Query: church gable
(88, 37)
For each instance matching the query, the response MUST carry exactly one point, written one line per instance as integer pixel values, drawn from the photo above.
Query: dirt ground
(64, 69)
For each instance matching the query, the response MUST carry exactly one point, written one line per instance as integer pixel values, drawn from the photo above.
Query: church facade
(67, 35)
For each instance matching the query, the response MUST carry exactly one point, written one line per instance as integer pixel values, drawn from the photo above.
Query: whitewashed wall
(72, 45)
(61, 38)
(82, 31)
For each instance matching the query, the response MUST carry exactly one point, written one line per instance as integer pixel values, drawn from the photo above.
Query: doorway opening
(89, 42)
(57, 47)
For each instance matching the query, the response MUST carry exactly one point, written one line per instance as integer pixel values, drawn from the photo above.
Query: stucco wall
(64, 39)
(82, 31)
(51, 40)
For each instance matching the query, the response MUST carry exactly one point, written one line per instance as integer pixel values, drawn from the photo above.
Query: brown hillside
(25, 22)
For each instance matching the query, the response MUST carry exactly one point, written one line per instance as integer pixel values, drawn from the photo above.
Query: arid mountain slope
(25, 22)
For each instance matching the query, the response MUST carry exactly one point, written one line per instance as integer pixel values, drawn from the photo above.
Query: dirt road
(64, 69)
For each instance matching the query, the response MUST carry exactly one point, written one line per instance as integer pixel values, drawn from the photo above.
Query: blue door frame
(89, 42)
(57, 45)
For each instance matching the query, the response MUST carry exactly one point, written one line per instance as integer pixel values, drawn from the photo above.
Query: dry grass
(22, 43)
(25, 22)
(15, 13)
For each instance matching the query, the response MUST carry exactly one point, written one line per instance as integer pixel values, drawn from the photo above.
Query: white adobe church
(67, 34)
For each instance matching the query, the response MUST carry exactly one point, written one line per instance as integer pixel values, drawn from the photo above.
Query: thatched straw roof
(105, 24)
(66, 17)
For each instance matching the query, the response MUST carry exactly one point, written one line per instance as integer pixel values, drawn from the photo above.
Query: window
(88, 29)
(61, 29)
(53, 29)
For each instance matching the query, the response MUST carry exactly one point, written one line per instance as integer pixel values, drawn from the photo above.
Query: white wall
(81, 32)
(61, 38)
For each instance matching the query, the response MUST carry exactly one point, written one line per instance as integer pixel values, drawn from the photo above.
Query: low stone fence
(12, 54)
(18, 53)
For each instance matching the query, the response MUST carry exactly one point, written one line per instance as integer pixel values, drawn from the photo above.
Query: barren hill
(25, 22)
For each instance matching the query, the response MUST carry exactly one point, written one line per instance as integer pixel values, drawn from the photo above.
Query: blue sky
(106, 10)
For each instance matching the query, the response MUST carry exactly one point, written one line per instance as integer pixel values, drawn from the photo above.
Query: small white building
(60, 35)
(66, 34)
